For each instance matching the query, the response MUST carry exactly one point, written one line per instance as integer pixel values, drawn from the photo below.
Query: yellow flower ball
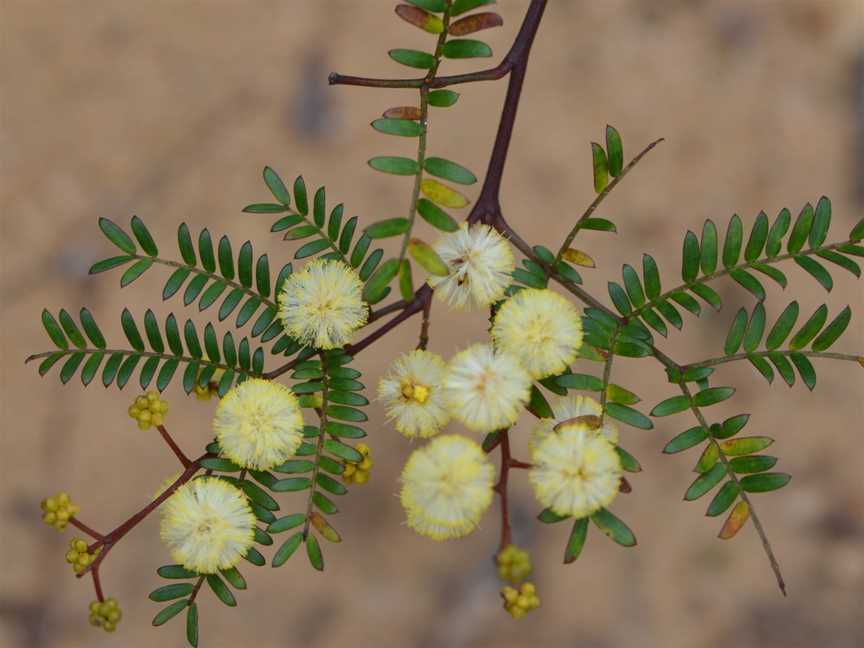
(412, 395)
(322, 305)
(259, 424)
(208, 525)
(484, 389)
(575, 471)
(447, 487)
(541, 328)
(480, 262)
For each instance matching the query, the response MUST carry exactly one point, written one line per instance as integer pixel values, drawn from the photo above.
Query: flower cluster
(148, 410)
(58, 510)
(358, 472)
(514, 564)
(520, 602)
(105, 614)
(78, 556)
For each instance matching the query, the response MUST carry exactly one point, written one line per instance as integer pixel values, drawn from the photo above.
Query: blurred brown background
(169, 109)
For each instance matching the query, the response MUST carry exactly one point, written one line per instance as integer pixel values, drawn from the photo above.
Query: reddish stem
(78, 524)
(107, 542)
(97, 585)
(174, 447)
(501, 489)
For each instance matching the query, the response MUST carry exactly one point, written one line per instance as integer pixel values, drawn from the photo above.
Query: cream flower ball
(208, 525)
(412, 395)
(569, 407)
(322, 305)
(258, 424)
(447, 487)
(480, 262)
(575, 472)
(486, 390)
(541, 328)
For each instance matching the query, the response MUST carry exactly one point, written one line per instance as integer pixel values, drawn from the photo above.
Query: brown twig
(78, 524)
(184, 460)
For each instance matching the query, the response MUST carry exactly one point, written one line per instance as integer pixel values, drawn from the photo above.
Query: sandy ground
(169, 110)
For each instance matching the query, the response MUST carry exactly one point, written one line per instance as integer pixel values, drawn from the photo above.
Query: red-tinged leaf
(402, 112)
(474, 23)
(737, 519)
(419, 18)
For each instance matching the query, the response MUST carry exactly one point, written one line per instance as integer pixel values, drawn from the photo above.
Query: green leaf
(579, 381)
(192, 624)
(70, 367)
(436, 6)
(731, 426)
(226, 258)
(134, 271)
(442, 98)
(184, 242)
(805, 369)
(708, 256)
(705, 482)
(652, 277)
(262, 275)
(151, 328)
(613, 527)
(548, 516)
(712, 396)
(736, 332)
(754, 464)
(838, 259)
(686, 440)
(276, 186)
(311, 248)
(783, 367)
(758, 237)
(436, 216)
(287, 549)
(857, 232)
(628, 461)
(300, 197)
(778, 230)
(833, 331)
(117, 236)
(131, 330)
(109, 264)
(264, 208)
(291, 484)
(284, 524)
(801, 230)
(810, 329)
(170, 592)
(816, 270)
(690, 258)
(71, 329)
(764, 482)
(707, 293)
(599, 224)
(342, 450)
(619, 298)
(749, 282)
(576, 541)
(220, 589)
(175, 281)
(126, 369)
(395, 165)
(771, 272)
(724, 498)
(732, 243)
(91, 367)
(234, 577)
(254, 556)
(672, 405)
(821, 222)
(462, 48)
(219, 464)
(763, 367)
(782, 327)
(629, 416)
(50, 361)
(600, 167)
(449, 170)
(388, 228)
(205, 250)
(373, 291)
(54, 331)
(633, 286)
(313, 550)
(169, 612)
(412, 58)
(755, 329)
(615, 150)
(401, 127)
